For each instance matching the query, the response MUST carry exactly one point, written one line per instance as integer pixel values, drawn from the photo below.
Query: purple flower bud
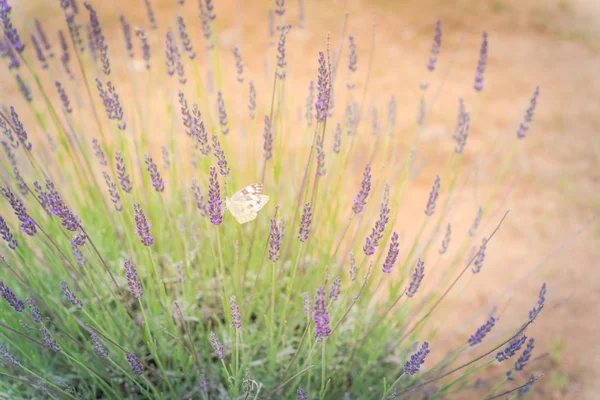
(8, 358)
(185, 38)
(435, 47)
(352, 57)
(63, 97)
(59, 208)
(335, 290)
(301, 394)
(480, 257)
(65, 57)
(113, 192)
(135, 286)
(535, 311)
(43, 38)
(392, 255)
(268, 136)
(323, 89)
(236, 316)
(99, 39)
(511, 349)
(126, 28)
(522, 360)
(19, 129)
(527, 386)
(433, 195)
(35, 312)
(11, 298)
(446, 241)
(79, 240)
(79, 257)
(476, 222)
(280, 7)
(150, 14)
(71, 296)
(142, 226)
(224, 169)
(275, 239)
(372, 241)
(524, 127)
(416, 279)
(252, 100)
(205, 18)
(99, 347)
(305, 223)
(223, 122)
(199, 131)
(157, 181)
(198, 198)
(361, 198)
(9, 153)
(281, 59)
(219, 349)
(11, 33)
(320, 157)
(27, 224)
(239, 64)
(135, 363)
(482, 331)
(6, 235)
(122, 173)
(413, 364)
(112, 104)
(141, 34)
(321, 316)
(99, 153)
(24, 89)
(481, 64)
(215, 205)
(49, 341)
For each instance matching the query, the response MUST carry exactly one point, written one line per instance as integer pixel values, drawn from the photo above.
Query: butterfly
(245, 203)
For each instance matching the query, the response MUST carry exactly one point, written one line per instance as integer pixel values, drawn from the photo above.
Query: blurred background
(551, 43)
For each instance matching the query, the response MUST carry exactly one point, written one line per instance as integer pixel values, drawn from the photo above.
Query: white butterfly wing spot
(245, 203)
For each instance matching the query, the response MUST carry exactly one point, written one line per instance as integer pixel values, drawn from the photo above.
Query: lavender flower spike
(372, 241)
(122, 173)
(115, 197)
(71, 296)
(301, 394)
(412, 365)
(223, 122)
(361, 198)
(49, 341)
(335, 290)
(142, 226)
(135, 286)
(323, 88)
(9, 358)
(219, 349)
(27, 224)
(236, 316)
(524, 127)
(305, 223)
(7, 235)
(157, 181)
(511, 349)
(9, 30)
(481, 64)
(215, 205)
(522, 360)
(537, 309)
(275, 239)
(220, 156)
(446, 241)
(482, 331)
(281, 59)
(321, 316)
(392, 255)
(268, 136)
(433, 195)
(136, 364)
(11, 298)
(435, 47)
(99, 347)
(416, 279)
(480, 257)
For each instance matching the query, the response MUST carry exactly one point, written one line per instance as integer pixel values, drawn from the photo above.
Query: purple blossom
(79, 257)
(99, 347)
(433, 195)
(11, 33)
(11, 298)
(446, 241)
(476, 222)
(20, 129)
(35, 311)
(537, 309)
(335, 290)
(42, 196)
(323, 89)
(20, 182)
(150, 14)
(98, 152)
(413, 364)
(525, 356)
(24, 89)
(185, 38)
(142, 226)
(219, 349)
(479, 82)
(365, 187)
(135, 286)
(126, 28)
(63, 97)
(9, 153)
(392, 255)
(352, 116)
(8, 358)
(239, 64)
(280, 7)
(352, 57)
(224, 169)
(479, 257)
(59, 208)
(157, 181)
(275, 239)
(122, 173)
(79, 240)
(482, 331)
(301, 394)
(305, 223)
(65, 57)
(435, 47)
(223, 122)
(252, 100)
(71, 296)
(115, 198)
(281, 59)
(112, 104)
(215, 205)
(268, 136)
(141, 34)
(511, 349)
(8, 52)
(524, 126)
(49, 341)
(236, 316)
(43, 38)
(198, 197)
(27, 224)
(205, 18)
(321, 316)
(99, 39)
(416, 279)
(372, 241)
(135, 363)
(199, 131)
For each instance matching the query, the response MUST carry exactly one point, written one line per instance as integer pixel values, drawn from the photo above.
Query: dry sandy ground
(554, 44)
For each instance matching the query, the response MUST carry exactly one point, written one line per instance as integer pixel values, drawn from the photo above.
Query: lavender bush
(123, 274)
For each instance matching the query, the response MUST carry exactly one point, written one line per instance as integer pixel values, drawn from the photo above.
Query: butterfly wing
(245, 203)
